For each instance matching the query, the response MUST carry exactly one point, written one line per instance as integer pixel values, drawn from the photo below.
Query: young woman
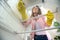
(37, 23)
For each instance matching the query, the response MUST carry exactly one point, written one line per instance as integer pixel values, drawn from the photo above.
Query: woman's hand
(25, 23)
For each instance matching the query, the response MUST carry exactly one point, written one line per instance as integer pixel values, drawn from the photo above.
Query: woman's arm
(32, 33)
(44, 20)
(26, 23)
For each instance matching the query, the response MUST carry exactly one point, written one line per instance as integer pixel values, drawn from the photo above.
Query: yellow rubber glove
(50, 17)
(22, 10)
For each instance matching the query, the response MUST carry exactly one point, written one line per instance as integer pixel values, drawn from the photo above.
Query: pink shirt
(40, 24)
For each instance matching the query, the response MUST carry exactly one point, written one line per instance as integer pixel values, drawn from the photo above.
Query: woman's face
(35, 11)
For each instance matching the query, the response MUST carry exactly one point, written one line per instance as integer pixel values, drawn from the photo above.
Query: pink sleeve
(28, 22)
(48, 35)
(33, 28)
(32, 23)
(44, 20)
